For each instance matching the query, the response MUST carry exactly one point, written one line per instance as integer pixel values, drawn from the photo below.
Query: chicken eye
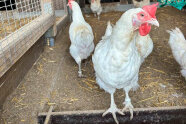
(142, 15)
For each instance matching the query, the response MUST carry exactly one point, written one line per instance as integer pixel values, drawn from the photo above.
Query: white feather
(177, 43)
(108, 31)
(144, 45)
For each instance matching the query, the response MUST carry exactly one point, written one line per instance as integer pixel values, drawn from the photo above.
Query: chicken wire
(22, 23)
(60, 7)
(59, 4)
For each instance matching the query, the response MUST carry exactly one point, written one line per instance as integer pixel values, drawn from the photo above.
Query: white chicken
(140, 3)
(96, 8)
(177, 43)
(81, 36)
(117, 58)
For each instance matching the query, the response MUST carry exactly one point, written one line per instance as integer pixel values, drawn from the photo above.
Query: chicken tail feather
(176, 35)
(108, 31)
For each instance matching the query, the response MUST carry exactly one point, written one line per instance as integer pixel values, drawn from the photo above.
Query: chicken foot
(80, 71)
(98, 17)
(113, 109)
(127, 103)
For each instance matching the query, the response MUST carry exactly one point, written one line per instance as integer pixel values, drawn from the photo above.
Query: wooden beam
(166, 115)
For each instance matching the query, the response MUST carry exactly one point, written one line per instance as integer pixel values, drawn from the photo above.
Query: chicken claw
(129, 106)
(113, 110)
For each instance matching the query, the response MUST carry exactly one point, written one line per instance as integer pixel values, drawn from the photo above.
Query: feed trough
(165, 115)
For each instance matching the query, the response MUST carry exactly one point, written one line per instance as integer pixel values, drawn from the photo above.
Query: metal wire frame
(22, 23)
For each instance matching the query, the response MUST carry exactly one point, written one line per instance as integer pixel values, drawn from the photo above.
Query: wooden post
(52, 33)
(42, 7)
(53, 12)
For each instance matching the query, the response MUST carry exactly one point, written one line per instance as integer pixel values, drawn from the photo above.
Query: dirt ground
(53, 78)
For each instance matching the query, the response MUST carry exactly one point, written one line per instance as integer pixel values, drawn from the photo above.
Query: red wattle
(144, 29)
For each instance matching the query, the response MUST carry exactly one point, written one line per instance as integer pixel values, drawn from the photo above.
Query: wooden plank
(11, 79)
(166, 115)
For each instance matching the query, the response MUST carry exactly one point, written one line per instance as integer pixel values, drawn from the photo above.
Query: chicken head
(144, 19)
(70, 3)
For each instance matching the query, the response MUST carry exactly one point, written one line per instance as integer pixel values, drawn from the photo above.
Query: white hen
(81, 36)
(177, 43)
(117, 58)
(96, 8)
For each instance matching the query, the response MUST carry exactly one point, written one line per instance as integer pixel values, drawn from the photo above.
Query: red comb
(151, 9)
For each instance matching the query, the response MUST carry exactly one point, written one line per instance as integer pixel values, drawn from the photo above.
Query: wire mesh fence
(60, 7)
(59, 4)
(15, 14)
(22, 23)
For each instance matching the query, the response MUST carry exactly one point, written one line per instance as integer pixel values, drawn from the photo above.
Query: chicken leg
(113, 109)
(80, 72)
(98, 17)
(127, 103)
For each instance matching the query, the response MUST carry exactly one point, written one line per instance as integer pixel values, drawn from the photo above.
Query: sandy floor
(53, 79)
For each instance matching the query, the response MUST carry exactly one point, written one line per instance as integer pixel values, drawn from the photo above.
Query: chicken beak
(154, 22)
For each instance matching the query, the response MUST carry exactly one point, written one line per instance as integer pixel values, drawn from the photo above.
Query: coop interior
(35, 74)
